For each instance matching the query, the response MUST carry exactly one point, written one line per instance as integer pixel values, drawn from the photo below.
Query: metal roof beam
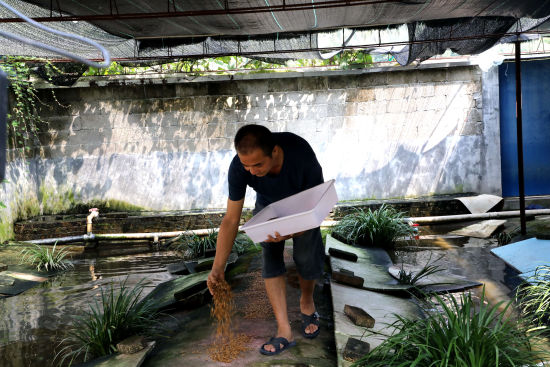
(195, 13)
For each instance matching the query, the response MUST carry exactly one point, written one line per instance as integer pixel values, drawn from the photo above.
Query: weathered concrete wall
(167, 145)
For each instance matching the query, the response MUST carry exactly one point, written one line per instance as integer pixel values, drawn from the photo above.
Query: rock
(6, 281)
(346, 272)
(204, 264)
(123, 360)
(341, 254)
(163, 296)
(359, 316)
(345, 277)
(190, 265)
(177, 268)
(3, 267)
(191, 289)
(355, 349)
(131, 345)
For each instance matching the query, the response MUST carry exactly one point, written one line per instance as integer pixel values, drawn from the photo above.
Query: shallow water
(33, 323)
(468, 257)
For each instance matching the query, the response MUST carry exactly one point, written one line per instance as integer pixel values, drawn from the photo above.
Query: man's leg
(309, 256)
(307, 305)
(276, 292)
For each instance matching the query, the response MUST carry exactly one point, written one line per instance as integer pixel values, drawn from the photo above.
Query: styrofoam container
(299, 212)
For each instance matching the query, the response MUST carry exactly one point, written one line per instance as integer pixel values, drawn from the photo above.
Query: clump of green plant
(461, 335)
(411, 277)
(197, 246)
(534, 298)
(23, 120)
(380, 227)
(42, 258)
(242, 243)
(118, 316)
(504, 238)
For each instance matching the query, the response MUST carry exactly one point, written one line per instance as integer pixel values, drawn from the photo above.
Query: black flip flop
(310, 319)
(277, 342)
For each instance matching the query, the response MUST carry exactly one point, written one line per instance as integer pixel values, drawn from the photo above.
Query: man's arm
(226, 236)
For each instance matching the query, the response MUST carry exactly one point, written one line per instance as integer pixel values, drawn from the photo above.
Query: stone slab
(17, 287)
(371, 265)
(204, 264)
(163, 294)
(484, 229)
(24, 276)
(382, 307)
(6, 280)
(178, 268)
(437, 282)
(525, 256)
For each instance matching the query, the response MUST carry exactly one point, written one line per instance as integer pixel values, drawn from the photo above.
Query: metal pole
(519, 126)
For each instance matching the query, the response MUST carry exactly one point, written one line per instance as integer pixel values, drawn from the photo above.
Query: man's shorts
(308, 254)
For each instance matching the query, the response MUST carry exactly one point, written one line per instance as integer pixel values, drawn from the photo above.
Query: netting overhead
(272, 28)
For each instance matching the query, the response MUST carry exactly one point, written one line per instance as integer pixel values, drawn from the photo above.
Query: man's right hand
(215, 276)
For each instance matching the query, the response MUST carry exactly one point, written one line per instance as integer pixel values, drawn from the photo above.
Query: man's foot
(310, 325)
(282, 333)
(276, 346)
(310, 318)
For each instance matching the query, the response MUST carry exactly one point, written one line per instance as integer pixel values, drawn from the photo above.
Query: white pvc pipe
(474, 216)
(119, 236)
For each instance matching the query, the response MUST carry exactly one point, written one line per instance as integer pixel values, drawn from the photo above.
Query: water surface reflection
(33, 323)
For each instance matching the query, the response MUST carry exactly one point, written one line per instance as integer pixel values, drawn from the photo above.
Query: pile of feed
(227, 345)
(257, 305)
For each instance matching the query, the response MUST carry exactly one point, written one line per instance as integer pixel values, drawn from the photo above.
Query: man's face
(256, 162)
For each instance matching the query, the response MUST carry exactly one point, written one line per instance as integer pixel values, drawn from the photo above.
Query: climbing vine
(23, 121)
(236, 64)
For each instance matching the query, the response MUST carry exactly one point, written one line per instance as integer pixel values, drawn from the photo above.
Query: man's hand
(215, 276)
(279, 238)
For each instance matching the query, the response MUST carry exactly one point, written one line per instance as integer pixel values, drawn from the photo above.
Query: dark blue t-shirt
(300, 171)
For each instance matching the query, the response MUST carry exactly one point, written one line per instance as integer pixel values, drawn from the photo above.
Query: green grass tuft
(196, 246)
(380, 227)
(460, 335)
(43, 259)
(118, 316)
(411, 278)
(534, 298)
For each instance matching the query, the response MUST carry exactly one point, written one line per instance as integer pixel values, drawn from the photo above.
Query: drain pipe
(94, 213)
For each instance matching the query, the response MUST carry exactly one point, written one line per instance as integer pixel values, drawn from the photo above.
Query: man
(275, 165)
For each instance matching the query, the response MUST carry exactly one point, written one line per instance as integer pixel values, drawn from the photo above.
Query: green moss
(56, 201)
(110, 205)
(243, 263)
(26, 207)
(6, 230)
(324, 233)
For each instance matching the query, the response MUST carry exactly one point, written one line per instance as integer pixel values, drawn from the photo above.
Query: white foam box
(299, 212)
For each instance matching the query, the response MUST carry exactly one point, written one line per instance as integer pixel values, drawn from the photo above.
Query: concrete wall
(166, 144)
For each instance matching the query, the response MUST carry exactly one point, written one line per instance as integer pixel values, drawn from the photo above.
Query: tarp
(145, 29)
